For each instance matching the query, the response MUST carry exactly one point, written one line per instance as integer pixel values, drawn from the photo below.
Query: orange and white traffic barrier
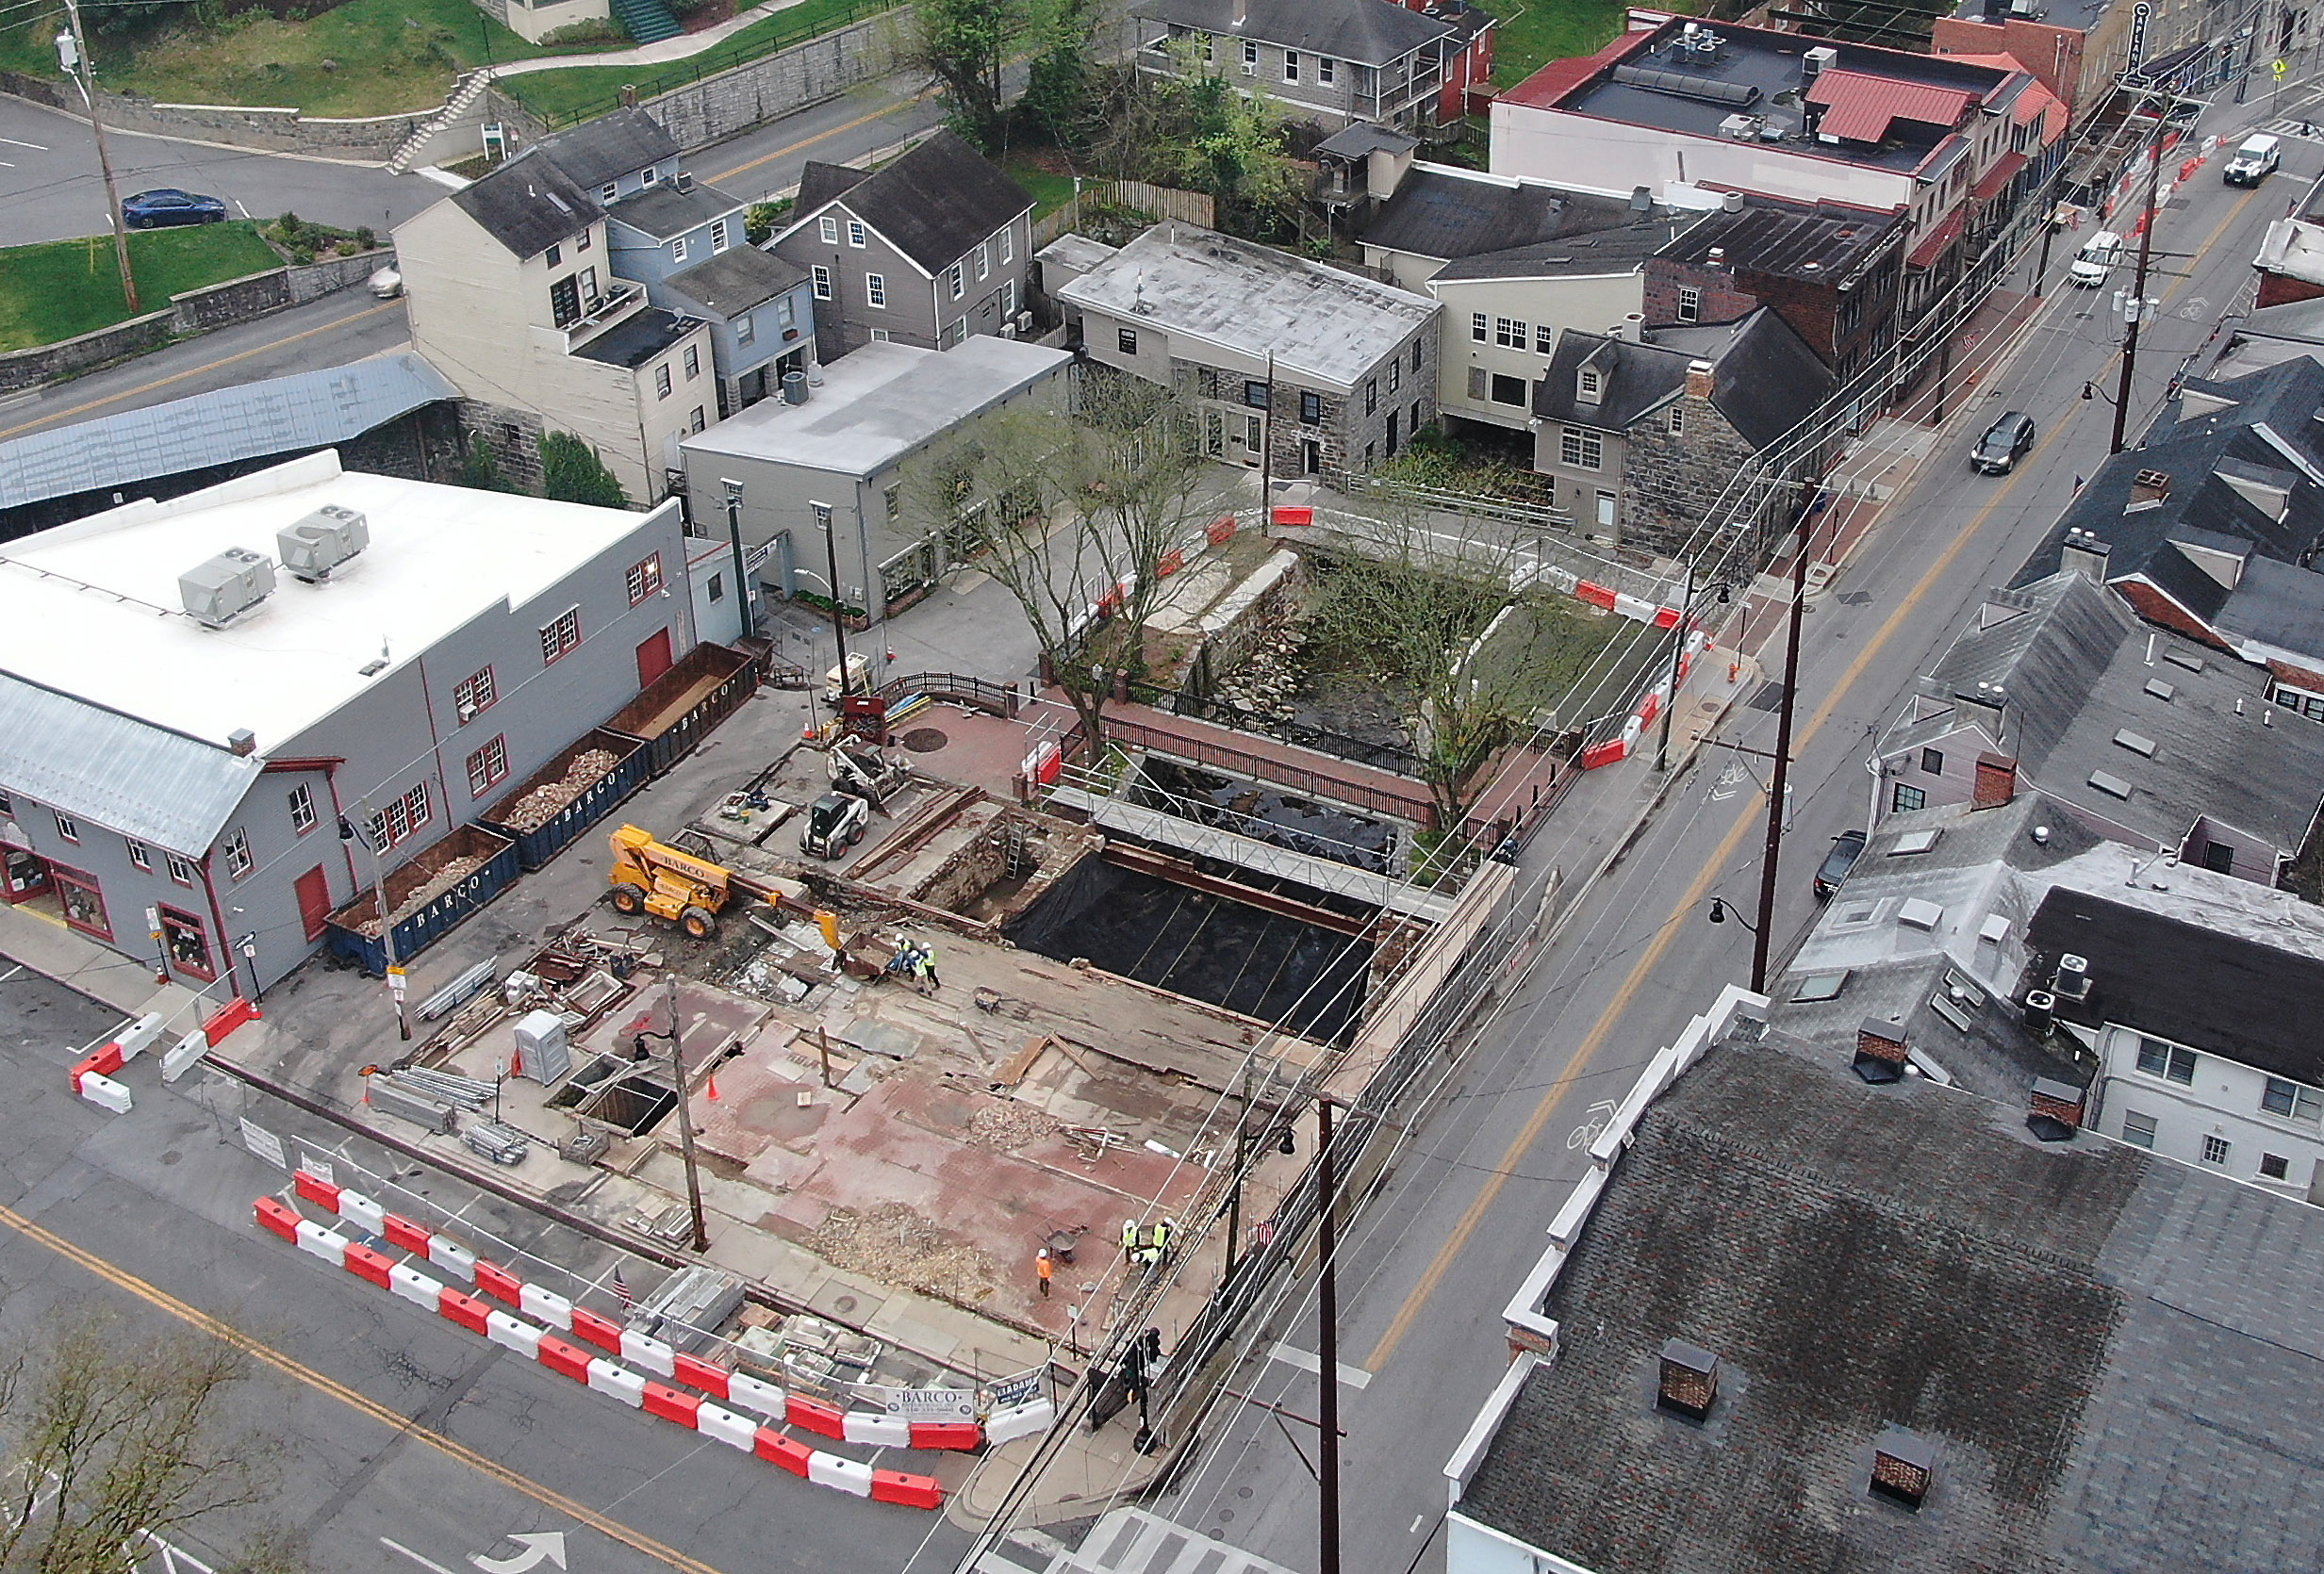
(619, 1383)
(558, 1313)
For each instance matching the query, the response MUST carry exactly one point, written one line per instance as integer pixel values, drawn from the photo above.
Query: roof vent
(1902, 1467)
(1689, 1381)
(321, 541)
(2040, 1008)
(682, 181)
(1919, 914)
(2073, 979)
(2055, 1111)
(218, 591)
(2136, 743)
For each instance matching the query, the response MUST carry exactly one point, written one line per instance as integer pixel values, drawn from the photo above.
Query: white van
(2254, 161)
(2095, 260)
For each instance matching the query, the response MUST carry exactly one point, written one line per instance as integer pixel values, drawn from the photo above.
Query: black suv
(1997, 451)
(1846, 848)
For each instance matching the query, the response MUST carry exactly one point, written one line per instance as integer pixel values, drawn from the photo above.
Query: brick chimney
(2084, 553)
(1904, 1466)
(1689, 1381)
(2054, 1110)
(1699, 380)
(1997, 781)
(2148, 489)
(1881, 1054)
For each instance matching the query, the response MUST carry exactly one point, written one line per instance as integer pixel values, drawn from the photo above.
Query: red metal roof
(1545, 86)
(1933, 244)
(1858, 107)
(2004, 169)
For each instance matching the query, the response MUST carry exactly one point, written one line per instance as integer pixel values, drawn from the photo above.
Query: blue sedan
(153, 209)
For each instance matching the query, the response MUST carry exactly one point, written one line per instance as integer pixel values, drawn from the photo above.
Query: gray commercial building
(842, 460)
(196, 754)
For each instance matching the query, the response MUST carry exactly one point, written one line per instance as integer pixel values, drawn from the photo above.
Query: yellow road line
(820, 136)
(1450, 1251)
(207, 365)
(395, 1421)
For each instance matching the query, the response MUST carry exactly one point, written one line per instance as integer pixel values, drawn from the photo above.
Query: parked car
(2095, 260)
(2254, 161)
(1846, 848)
(167, 205)
(1997, 451)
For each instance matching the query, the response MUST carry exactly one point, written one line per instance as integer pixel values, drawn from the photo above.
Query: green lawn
(382, 55)
(1534, 32)
(1049, 191)
(578, 92)
(61, 287)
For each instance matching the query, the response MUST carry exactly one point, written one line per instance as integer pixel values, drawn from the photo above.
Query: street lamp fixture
(1721, 913)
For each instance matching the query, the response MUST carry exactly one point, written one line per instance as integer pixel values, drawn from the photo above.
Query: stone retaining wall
(778, 83)
(276, 130)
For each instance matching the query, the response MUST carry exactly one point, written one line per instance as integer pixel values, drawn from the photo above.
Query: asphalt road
(402, 1444)
(1429, 1268)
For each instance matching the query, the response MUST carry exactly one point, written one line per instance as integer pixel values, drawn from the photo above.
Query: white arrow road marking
(538, 1546)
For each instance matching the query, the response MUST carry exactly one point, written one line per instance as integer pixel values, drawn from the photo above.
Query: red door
(314, 893)
(653, 658)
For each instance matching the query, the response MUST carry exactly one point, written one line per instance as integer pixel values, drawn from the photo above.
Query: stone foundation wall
(513, 436)
(751, 94)
(274, 129)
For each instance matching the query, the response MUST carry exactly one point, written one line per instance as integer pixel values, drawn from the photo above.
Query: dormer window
(648, 178)
(609, 191)
(1591, 386)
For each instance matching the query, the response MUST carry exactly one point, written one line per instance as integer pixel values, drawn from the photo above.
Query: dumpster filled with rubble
(568, 795)
(427, 900)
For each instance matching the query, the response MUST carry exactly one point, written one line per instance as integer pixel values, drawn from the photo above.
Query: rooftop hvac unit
(1742, 128)
(1707, 89)
(1815, 60)
(2073, 979)
(321, 541)
(218, 591)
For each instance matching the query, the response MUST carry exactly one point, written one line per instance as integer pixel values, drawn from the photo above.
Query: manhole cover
(1768, 698)
(924, 740)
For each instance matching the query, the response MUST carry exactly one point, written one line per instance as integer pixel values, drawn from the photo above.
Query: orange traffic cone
(711, 1092)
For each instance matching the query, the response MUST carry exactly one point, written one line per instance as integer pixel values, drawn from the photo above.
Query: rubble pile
(896, 1246)
(1264, 685)
(539, 806)
(1009, 1126)
(436, 885)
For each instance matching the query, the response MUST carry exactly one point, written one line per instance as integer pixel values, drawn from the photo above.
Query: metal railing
(1415, 803)
(1323, 740)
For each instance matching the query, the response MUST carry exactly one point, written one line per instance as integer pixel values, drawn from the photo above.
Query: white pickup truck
(2254, 161)
(2095, 260)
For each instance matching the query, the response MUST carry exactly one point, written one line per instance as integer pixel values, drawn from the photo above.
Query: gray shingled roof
(1363, 138)
(1765, 379)
(661, 210)
(634, 340)
(1370, 32)
(2044, 648)
(735, 280)
(143, 781)
(1444, 213)
(933, 204)
(528, 205)
(251, 420)
(595, 153)
(2115, 1357)
(1818, 243)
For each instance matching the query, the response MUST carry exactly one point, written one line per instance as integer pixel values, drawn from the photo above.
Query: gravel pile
(542, 804)
(896, 1246)
(442, 881)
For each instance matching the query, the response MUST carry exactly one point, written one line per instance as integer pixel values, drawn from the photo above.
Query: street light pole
(1772, 856)
(685, 1123)
(839, 618)
(386, 929)
(81, 77)
(1328, 1345)
(2137, 304)
(742, 580)
(1678, 654)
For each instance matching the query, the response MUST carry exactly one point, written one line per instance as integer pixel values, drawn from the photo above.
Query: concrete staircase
(465, 92)
(647, 20)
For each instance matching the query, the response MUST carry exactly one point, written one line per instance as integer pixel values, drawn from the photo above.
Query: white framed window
(1480, 326)
(875, 290)
(141, 854)
(984, 260)
(822, 282)
(2138, 1130)
(648, 175)
(880, 336)
(1678, 421)
(474, 693)
(401, 818)
(2215, 1150)
(560, 636)
(828, 228)
(644, 579)
(239, 861)
(581, 241)
(1250, 58)
(695, 422)
(180, 871)
(2292, 1100)
(608, 192)
(956, 277)
(1008, 246)
(1689, 304)
(2169, 1061)
(855, 234)
(718, 236)
(1007, 296)
(694, 362)
(661, 381)
(1546, 338)
(1326, 70)
(1592, 382)
(67, 826)
(1291, 65)
(1583, 450)
(678, 250)
(1396, 374)
(302, 810)
(1508, 333)
(486, 766)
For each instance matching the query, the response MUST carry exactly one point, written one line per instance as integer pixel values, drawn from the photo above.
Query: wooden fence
(1162, 202)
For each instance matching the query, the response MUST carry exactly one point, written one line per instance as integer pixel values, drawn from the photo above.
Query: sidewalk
(681, 47)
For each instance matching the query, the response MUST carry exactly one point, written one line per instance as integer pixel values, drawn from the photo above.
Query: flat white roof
(878, 403)
(91, 609)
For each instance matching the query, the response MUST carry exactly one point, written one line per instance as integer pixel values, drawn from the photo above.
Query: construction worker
(1161, 1243)
(1130, 1240)
(1042, 1267)
(927, 965)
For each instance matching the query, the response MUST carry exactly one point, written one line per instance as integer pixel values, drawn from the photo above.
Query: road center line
(195, 1317)
(818, 136)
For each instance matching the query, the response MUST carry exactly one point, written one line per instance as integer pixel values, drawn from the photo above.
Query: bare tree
(1436, 605)
(1075, 512)
(114, 1438)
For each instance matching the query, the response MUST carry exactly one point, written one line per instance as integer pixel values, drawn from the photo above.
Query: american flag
(621, 1288)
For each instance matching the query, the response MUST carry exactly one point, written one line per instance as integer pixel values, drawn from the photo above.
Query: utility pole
(2135, 305)
(1328, 1344)
(742, 575)
(839, 617)
(685, 1123)
(1772, 858)
(1678, 654)
(79, 67)
(386, 929)
(1234, 1197)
